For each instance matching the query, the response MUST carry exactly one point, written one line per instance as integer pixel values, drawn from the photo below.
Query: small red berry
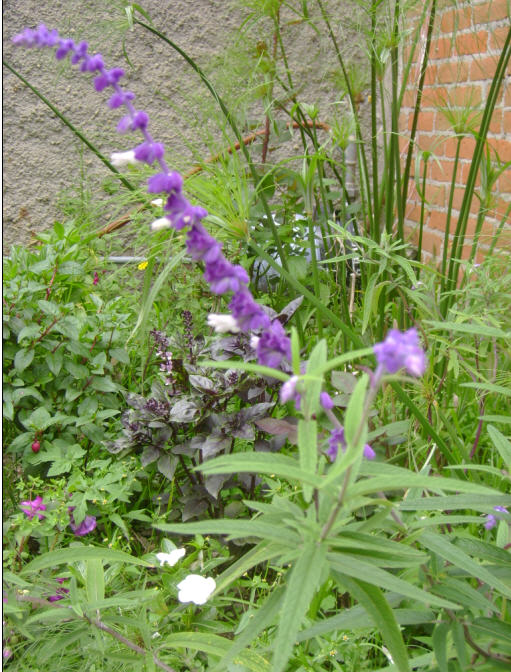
(36, 446)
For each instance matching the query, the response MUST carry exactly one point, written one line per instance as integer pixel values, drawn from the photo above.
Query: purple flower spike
(33, 508)
(273, 346)
(249, 314)
(223, 276)
(149, 152)
(64, 48)
(326, 401)
(181, 212)
(107, 77)
(119, 98)
(130, 123)
(87, 525)
(337, 440)
(80, 53)
(201, 246)
(401, 351)
(164, 182)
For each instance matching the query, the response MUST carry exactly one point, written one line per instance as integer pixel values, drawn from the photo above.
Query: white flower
(223, 323)
(172, 557)
(123, 159)
(196, 589)
(254, 340)
(158, 202)
(161, 223)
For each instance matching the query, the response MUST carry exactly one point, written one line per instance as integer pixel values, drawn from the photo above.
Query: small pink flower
(33, 508)
(96, 278)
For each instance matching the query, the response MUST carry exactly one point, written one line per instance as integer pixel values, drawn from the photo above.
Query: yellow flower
(142, 265)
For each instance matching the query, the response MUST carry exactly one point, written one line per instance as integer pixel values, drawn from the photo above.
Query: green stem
(66, 121)
(449, 212)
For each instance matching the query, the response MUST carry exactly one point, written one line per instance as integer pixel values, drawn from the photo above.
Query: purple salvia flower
(249, 314)
(80, 53)
(337, 440)
(107, 77)
(33, 508)
(65, 46)
(326, 401)
(87, 525)
(273, 346)
(223, 276)
(201, 246)
(165, 182)
(401, 351)
(120, 98)
(492, 520)
(181, 212)
(133, 122)
(288, 390)
(149, 152)
(95, 64)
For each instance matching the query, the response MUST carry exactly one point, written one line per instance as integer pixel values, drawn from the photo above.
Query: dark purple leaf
(280, 427)
(149, 455)
(167, 465)
(183, 411)
(288, 311)
(214, 483)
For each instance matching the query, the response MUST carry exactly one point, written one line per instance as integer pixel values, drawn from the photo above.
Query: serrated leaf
(71, 268)
(23, 359)
(304, 578)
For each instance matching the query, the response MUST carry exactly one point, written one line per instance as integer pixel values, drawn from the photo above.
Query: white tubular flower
(123, 159)
(172, 557)
(161, 223)
(223, 323)
(254, 340)
(158, 202)
(196, 589)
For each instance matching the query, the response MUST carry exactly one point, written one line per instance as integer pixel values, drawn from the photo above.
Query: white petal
(123, 159)
(254, 340)
(223, 323)
(172, 557)
(195, 588)
(161, 223)
(158, 202)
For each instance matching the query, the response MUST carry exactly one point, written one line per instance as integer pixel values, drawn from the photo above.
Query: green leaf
(104, 384)
(502, 444)
(304, 578)
(76, 370)
(314, 380)
(469, 328)
(235, 529)
(439, 640)
(68, 556)
(23, 359)
(29, 332)
(71, 268)
(120, 355)
(261, 553)
(355, 568)
(95, 580)
(494, 628)
(260, 463)
(353, 420)
(38, 419)
(54, 361)
(308, 451)
(374, 602)
(453, 554)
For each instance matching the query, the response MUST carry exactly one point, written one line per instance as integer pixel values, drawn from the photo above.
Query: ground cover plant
(309, 472)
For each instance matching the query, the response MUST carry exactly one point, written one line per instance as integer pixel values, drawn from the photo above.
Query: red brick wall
(465, 49)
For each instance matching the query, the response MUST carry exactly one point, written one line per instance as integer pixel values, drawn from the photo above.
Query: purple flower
(249, 314)
(491, 519)
(201, 246)
(87, 525)
(326, 401)
(80, 52)
(33, 507)
(223, 276)
(107, 77)
(288, 390)
(401, 351)
(169, 182)
(119, 98)
(273, 346)
(93, 64)
(149, 152)
(96, 278)
(61, 591)
(41, 37)
(139, 119)
(181, 212)
(337, 440)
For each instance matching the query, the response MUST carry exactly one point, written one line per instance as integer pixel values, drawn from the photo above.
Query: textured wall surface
(464, 53)
(42, 157)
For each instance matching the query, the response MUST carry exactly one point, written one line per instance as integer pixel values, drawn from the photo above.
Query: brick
(466, 149)
(506, 120)
(431, 242)
(459, 194)
(500, 208)
(495, 10)
(487, 230)
(414, 213)
(425, 121)
(501, 147)
(441, 48)
(437, 220)
(466, 95)
(483, 68)
(504, 182)
(452, 71)
(409, 97)
(432, 96)
(454, 20)
(472, 43)
(428, 143)
(496, 122)
(498, 37)
(465, 169)
(435, 195)
(441, 171)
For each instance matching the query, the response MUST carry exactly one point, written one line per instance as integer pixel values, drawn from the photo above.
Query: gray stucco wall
(42, 157)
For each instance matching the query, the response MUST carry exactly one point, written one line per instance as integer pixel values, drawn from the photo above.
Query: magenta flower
(87, 525)
(273, 346)
(401, 351)
(337, 440)
(61, 591)
(248, 314)
(33, 508)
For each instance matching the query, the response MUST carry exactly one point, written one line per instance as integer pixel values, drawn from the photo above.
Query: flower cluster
(273, 345)
(400, 351)
(33, 508)
(194, 587)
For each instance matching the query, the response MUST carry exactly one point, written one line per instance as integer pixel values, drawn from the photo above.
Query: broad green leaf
(440, 545)
(502, 444)
(355, 426)
(54, 361)
(68, 556)
(455, 502)
(375, 604)
(355, 568)
(235, 529)
(104, 384)
(308, 451)
(23, 359)
(95, 580)
(304, 578)
(29, 332)
(261, 553)
(38, 419)
(260, 463)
